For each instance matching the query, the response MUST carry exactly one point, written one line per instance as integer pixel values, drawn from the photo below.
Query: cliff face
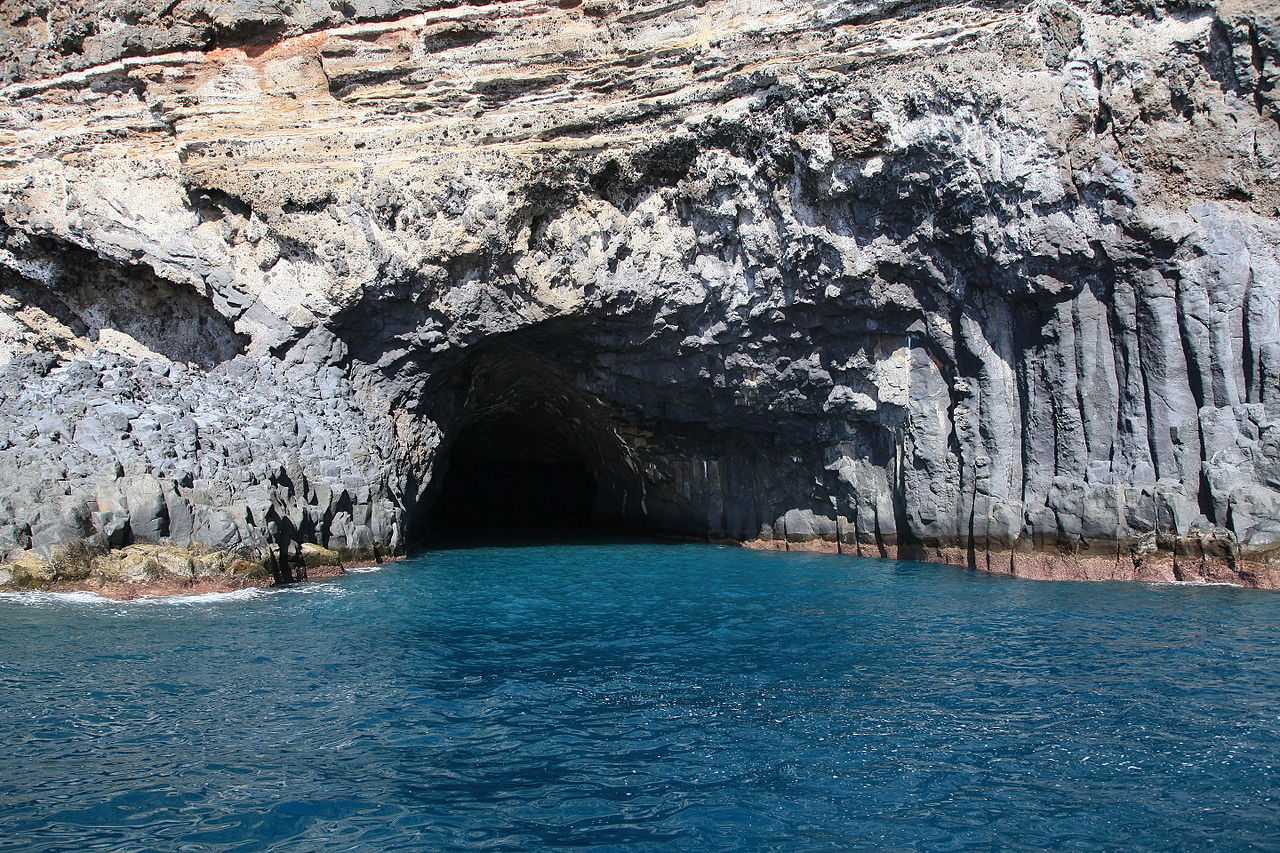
(989, 283)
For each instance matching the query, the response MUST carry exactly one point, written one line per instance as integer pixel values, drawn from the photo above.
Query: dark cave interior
(529, 459)
(514, 476)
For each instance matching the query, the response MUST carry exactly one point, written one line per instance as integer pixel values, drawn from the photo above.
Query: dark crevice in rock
(1252, 389)
(212, 204)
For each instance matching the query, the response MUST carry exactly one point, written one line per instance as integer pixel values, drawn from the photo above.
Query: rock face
(993, 283)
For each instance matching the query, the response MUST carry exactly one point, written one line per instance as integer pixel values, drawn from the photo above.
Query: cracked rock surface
(992, 283)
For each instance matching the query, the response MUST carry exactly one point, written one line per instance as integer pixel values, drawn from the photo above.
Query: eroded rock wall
(991, 283)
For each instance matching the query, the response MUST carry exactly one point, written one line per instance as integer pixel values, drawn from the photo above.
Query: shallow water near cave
(644, 697)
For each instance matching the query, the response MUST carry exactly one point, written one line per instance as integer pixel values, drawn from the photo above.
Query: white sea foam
(364, 570)
(46, 598)
(318, 588)
(205, 597)
(37, 597)
(43, 598)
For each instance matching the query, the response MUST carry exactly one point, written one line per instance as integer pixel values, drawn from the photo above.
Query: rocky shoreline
(316, 563)
(1121, 564)
(157, 571)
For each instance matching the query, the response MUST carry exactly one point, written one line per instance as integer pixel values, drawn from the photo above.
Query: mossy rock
(213, 564)
(145, 564)
(29, 571)
(314, 555)
(252, 570)
(73, 561)
(229, 564)
(136, 564)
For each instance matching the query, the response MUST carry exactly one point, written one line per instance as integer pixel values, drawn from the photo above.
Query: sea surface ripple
(644, 697)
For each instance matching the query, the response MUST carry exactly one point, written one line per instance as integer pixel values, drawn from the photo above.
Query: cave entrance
(514, 475)
(529, 458)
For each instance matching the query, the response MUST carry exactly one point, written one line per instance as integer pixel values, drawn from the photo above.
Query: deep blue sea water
(646, 697)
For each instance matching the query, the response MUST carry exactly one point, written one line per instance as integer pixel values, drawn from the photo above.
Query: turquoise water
(645, 697)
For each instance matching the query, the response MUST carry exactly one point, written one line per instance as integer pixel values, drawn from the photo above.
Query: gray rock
(148, 509)
(181, 518)
(113, 527)
(216, 527)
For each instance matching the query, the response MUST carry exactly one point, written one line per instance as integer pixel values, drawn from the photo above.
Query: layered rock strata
(987, 283)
